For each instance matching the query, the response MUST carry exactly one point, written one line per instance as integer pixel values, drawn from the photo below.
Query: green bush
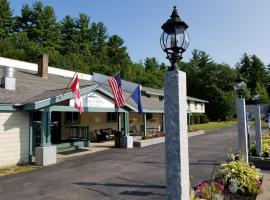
(203, 119)
(191, 119)
(196, 118)
(265, 145)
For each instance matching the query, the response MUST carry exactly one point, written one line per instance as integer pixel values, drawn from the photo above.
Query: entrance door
(56, 127)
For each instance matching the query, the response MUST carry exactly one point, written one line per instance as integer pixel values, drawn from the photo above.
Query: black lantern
(255, 96)
(174, 39)
(239, 86)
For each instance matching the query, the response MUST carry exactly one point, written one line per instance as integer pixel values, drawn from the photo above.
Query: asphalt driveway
(117, 174)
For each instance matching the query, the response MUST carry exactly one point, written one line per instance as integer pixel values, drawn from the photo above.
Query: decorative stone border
(152, 141)
(148, 142)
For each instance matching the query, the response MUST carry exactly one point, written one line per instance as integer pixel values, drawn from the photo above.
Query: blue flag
(136, 96)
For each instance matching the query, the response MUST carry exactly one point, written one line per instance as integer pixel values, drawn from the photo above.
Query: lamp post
(239, 87)
(174, 41)
(257, 116)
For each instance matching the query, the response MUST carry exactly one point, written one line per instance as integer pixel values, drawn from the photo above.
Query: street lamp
(174, 40)
(239, 86)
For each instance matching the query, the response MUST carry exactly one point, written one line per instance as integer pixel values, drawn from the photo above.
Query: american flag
(117, 90)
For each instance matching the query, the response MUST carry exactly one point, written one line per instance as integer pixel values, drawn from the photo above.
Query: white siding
(14, 137)
(200, 108)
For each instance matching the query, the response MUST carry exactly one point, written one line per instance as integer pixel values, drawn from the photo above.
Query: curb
(266, 186)
(153, 141)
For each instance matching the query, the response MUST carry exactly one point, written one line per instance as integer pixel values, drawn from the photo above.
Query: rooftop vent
(8, 80)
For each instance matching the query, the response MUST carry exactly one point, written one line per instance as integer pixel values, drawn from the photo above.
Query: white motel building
(34, 111)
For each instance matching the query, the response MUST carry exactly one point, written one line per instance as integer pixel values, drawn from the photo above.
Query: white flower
(218, 197)
(233, 186)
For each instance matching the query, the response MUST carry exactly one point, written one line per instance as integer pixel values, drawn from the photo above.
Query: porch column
(119, 125)
(144, 124)
(45, 128)
(126, 140)
(46, 153)
(163, 123)
(30, 136)
(126, 124)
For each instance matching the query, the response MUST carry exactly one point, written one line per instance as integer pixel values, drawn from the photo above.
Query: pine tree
(6, 20)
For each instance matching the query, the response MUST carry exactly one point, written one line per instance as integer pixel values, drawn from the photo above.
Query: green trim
(8, 107)
(45, 127)
(50, 101)
(85, 109)
(30, 136)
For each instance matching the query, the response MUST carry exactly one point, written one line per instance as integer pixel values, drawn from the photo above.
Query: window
(161, 98)
(188, 102)
(202, 106)
(111, 117)
(196, 105)
(149, 116)
(73, 117)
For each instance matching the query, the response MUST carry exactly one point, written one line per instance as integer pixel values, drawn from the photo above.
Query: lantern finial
(174, 14)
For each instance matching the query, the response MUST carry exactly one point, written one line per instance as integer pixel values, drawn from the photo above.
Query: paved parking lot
(117, 174)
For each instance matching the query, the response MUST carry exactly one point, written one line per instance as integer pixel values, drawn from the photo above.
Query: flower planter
(260, 162)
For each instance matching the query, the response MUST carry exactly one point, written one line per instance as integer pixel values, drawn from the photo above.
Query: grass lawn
(211, 126)
(16, 169)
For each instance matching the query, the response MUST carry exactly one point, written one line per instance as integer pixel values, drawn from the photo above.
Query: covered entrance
(59, 124)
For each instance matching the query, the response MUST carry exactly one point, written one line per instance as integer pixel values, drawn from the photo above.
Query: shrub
(196, 118)
(191, 119)
(265, 146)
(203, 119)
(240, 177)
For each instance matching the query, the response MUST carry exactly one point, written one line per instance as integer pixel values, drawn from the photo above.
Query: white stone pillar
(258, 130)
(176, 138)
(242, 128)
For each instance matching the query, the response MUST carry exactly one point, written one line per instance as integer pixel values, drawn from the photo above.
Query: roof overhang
(56, 99)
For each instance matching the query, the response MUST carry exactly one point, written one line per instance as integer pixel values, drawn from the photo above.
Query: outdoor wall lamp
(255, 96)
(174, 40)
(239, 86)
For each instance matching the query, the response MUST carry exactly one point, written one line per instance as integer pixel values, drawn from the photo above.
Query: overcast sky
(225, 29)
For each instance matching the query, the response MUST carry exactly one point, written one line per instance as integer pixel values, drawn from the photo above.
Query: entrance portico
(99, 104)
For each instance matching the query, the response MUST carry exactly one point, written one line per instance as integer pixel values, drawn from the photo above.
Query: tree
(253, 70)
(68, 32)
(6, 21)
(118, 58)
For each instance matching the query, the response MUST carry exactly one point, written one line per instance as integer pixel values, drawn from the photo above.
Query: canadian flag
(75, 88)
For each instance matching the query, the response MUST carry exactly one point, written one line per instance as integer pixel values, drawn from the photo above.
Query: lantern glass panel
(167, 40)
(182, 38)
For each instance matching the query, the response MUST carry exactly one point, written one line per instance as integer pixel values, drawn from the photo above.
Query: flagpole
(68, 85)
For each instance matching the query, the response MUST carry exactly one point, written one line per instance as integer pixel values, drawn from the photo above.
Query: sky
(225, 29)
